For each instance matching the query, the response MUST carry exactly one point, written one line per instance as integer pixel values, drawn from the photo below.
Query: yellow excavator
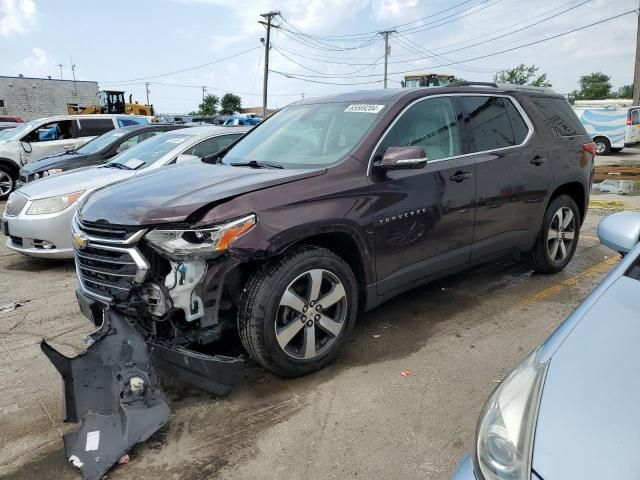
(111, 101)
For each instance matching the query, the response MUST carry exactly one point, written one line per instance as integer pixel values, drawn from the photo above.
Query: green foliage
(595, 86)
(625, 91)
(209, 105)
(522, 75)
(230, 104)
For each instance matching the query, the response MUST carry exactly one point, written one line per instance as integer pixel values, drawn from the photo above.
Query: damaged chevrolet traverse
(328, 208)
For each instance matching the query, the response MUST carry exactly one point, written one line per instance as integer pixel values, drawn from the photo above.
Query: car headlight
(51, 171)
(504, 437)
(53, 204)
(203, 242)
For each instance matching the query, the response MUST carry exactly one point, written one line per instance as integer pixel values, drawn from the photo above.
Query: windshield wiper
(254, 164)
(121, 166)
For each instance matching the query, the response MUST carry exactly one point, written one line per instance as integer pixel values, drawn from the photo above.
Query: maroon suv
(331, 207)
(328, 208)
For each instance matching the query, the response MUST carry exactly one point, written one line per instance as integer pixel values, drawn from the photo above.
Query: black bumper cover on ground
(112, 390)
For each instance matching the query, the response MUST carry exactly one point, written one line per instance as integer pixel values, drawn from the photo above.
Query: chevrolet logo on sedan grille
(80, 241)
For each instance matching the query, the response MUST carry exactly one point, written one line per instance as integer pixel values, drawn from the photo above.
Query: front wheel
(296, 312)
(558, 236)
(7, 182)
(603, 146)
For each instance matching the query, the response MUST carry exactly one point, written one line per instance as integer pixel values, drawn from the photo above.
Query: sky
(321, 46)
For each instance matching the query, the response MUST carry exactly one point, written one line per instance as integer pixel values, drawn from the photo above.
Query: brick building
(42, 97)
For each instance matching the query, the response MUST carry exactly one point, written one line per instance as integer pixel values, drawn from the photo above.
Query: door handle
(538, 160)
(460, 176)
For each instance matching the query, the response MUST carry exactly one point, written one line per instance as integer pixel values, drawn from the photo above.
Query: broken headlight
(504, 437)
(202, 242)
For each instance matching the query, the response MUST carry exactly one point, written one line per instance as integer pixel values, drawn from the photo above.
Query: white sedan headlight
(205, 242)
(504, 437)
(53, 204)
(51, 171)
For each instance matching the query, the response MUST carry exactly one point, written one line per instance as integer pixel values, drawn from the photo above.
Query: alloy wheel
(6, 183)
(561, 234)
(600, 148)
(311, 314)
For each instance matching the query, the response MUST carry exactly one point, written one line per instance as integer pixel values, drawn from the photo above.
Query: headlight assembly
(53, 204)
(504, 437)
(51, 171)
(203, 242)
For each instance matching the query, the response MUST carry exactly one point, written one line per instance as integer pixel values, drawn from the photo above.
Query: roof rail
(525, 88)
(464, 83)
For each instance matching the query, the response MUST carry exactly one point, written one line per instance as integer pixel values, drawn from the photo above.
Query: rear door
(423, 218)
(87, 128)
(633, 130)
(513, 176)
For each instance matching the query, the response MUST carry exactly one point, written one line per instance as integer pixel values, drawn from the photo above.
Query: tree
(625, 91)
(230, 104)
(209, 105)
(522, 75)
(595, 86)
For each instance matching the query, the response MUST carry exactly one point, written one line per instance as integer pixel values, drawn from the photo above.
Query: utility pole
(387, 51)
(73, 72)
(204, 91)
(636, 71)
(267, 45)
(60, 65)
(146, 86)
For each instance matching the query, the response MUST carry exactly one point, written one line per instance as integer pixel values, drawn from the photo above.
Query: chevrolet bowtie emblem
(80, 241)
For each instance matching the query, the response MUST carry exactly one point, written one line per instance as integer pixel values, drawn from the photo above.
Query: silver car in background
(571, 410)
(37, 218)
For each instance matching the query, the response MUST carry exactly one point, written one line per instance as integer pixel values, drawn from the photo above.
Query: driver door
(423, 218)
(48, 139)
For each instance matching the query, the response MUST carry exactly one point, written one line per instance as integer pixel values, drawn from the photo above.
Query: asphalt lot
(359, 418)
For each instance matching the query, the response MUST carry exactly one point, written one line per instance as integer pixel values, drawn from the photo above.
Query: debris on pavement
(405, 373)
(112, 391)
(12, 305)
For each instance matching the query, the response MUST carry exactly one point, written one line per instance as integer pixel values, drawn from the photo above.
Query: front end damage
(151, 311)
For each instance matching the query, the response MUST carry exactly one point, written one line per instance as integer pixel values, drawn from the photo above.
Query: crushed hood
(588, 424)
(171, 194)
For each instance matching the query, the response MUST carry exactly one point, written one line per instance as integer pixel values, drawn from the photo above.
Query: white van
(48, 136)
(613, 124)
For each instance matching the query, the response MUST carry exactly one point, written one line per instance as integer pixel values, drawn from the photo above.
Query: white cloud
(389, 9)
(16, 16)
(38, 64)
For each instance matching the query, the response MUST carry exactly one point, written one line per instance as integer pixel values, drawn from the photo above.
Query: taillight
(590, 147)
(629, 119)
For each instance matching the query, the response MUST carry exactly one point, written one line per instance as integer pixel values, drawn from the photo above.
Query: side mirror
(26, 146)
(620, 231)
(400, 158)
(183, 157)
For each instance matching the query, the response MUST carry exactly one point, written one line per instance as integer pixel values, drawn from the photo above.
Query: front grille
(108, 267)
(107, 231)
(15, 204)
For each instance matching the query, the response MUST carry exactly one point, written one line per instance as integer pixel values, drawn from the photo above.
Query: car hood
(82, 179)
(171, 194)
(55, 161)
(588, 424)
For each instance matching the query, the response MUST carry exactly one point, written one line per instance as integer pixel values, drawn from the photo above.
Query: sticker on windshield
(364, 108)
(175, 140)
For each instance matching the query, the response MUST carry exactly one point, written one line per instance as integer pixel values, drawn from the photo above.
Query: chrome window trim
(515, 102)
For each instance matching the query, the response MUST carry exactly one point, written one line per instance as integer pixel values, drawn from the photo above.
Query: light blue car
(571, 410)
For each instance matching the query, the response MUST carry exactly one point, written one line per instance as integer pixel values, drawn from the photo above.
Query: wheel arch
(7, 162)
(575, 190)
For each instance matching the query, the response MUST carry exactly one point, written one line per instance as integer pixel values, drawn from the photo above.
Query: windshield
(303, 136)
(102, 141)
(144, 154)
(17, 132)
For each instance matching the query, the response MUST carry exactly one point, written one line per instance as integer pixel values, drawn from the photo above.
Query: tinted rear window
(91, 127)
(489, 122)
(519, 126)
(559, 116)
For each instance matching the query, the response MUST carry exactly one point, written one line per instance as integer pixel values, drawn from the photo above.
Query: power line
(292, 75)
(186, 69)
(209, 87)
(346, 74)
(494, 53)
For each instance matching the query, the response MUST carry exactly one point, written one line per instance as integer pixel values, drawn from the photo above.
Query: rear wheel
(7, 182)
(297, 312)
(558, 236)
(603, 146)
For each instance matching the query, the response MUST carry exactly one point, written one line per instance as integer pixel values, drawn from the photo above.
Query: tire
(554, 247)
(603, 146)
(616, 150)
(276, 329)
(7, 182)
